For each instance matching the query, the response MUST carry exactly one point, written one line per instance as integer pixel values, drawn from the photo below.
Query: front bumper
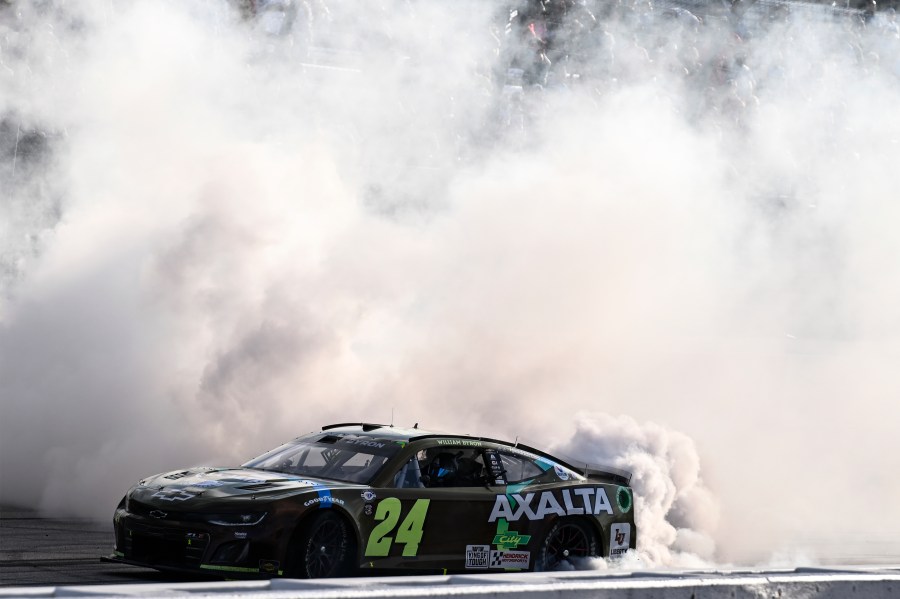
(196, 547)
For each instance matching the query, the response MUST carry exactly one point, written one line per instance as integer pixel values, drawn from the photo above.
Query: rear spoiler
(599, 472)
(606, 473)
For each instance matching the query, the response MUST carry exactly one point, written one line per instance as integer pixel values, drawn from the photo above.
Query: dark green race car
(370, 497)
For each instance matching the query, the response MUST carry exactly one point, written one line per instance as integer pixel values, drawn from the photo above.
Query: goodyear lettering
(591, 500)
(323, 499)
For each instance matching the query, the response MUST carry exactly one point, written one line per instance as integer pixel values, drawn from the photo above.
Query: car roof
(376, 431)
(388, 432)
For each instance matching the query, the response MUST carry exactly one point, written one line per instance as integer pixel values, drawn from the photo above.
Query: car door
(436, 514)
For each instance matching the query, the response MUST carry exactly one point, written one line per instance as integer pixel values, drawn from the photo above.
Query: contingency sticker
(508, 539)
(510, 559)
(477, 556)
(619, 539)
(560, 472)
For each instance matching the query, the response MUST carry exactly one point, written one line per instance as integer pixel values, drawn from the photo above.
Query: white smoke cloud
(226, 247)
(676, 514)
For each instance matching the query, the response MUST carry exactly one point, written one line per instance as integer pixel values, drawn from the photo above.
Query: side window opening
(519, 468)
(451, 467)
(409, 476)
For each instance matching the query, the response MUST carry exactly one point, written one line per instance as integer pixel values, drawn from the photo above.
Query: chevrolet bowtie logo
(158, 514)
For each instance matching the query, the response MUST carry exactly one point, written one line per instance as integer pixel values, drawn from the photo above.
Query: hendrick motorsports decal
(478, 556)
(510, 559)
(619, 539)
(587, 500)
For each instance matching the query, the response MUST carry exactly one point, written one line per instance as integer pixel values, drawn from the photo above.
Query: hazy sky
(687, 270)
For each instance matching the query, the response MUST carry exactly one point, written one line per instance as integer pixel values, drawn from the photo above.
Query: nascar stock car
(370, 497)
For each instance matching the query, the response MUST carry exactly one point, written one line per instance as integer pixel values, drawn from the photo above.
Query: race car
(372, 498)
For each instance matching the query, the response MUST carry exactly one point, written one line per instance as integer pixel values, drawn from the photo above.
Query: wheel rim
(566, 542)
(324, 549)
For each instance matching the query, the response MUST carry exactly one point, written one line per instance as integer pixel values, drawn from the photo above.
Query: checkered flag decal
(496, 559)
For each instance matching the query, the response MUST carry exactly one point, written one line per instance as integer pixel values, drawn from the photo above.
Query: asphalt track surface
(62, 551)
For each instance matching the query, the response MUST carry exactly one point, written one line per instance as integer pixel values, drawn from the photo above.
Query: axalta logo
(589, 500)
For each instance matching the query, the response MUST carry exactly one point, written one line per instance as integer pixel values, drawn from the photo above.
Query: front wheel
(324, 549)
(568, 542)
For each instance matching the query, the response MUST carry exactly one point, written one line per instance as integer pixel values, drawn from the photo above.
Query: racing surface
(61, 551)
(65, 552)
(794, 464)
(56, 557)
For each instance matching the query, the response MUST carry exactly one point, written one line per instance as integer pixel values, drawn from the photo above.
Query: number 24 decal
(409, 533)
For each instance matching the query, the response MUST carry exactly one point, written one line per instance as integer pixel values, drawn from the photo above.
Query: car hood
(181, 487)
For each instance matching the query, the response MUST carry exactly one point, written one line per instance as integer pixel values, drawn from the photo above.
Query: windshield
(346, 458)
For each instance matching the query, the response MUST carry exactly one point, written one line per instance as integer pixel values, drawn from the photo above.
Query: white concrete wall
(831, 583)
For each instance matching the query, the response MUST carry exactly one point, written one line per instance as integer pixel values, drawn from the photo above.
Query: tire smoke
(213, 239)
(676, 514)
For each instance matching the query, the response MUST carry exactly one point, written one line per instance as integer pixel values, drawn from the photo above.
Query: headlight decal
(250, 519)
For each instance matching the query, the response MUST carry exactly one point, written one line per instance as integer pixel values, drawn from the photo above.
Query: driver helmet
(442, 468)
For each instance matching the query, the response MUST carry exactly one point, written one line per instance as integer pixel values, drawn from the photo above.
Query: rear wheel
(323, 549)
(568, 542)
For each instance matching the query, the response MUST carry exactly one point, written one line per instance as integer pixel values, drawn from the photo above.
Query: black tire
(570, 540)
(323, 548)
